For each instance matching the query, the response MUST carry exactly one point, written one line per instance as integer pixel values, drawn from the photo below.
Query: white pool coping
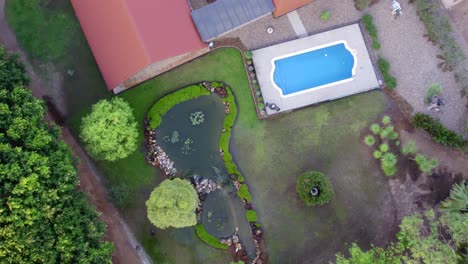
(353, 70)
(364, 77)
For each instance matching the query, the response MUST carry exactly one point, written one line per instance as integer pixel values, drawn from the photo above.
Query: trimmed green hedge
(244, 193)
(163, 105)
(438, 132)
(251, 216)
(384, 67)
(311, 179)
(207, 238)
(372, 30)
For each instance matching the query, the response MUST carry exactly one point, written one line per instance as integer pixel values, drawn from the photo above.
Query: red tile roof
(286, 6)
(127, 35)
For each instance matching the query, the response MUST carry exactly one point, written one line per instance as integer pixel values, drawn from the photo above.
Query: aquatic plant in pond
(197, 118)
(187, 147)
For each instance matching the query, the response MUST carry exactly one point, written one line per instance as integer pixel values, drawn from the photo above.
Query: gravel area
(414, 64)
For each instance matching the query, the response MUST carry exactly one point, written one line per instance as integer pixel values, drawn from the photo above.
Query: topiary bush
(314, 179)
(438, 132)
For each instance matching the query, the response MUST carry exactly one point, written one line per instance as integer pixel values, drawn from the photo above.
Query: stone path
(296, 23)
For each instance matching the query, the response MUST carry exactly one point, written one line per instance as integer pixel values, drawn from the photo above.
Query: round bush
(369, 140)
(312, 179)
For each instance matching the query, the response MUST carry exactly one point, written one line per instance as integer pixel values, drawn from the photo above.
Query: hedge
(207, 238)
(372, 30)
(163, 105)
(311, 179)
(438, 132)
(384, 67)
(251, 216)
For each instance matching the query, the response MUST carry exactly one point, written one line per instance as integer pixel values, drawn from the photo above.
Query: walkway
(296, 23)
(116, 231)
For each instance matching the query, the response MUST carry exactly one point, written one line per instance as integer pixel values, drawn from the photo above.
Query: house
(136, 40)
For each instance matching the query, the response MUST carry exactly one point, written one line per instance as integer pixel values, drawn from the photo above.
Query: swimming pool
(315, 68)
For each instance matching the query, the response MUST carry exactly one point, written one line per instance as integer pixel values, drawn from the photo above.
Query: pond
(189, 134)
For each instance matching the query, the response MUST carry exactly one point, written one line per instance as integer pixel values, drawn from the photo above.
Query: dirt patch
(459, 16)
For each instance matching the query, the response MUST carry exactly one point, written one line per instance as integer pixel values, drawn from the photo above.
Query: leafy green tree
(173, 204)
(43, 217)
(110, 130)
(11, 70)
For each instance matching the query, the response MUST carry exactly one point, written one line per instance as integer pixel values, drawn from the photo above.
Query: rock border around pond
(157, 157)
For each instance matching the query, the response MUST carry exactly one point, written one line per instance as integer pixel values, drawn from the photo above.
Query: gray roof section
(223, 16)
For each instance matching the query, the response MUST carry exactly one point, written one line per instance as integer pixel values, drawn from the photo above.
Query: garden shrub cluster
(438, 132)
(384, 67)
(163, 105)
(44, 218)
(207, 238)
(440, 32)
(312, 179)
(387, 138)
(372, 30)
(426, 165)
(362, 4)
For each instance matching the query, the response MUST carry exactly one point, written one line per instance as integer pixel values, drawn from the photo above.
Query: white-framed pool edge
(353, 52)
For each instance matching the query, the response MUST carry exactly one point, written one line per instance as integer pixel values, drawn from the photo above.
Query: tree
(173, 204)
(43, 217)
(11, 70)
(110, 131)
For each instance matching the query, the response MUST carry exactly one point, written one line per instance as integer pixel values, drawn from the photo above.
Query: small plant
(375, 128)
(248, 54)
(362, 4)
(377, 154)
(325, 16)
(216, 84)
(372, 30)
(187, 147)
(261, 106)
(386, 132)
(386, 120)
(383, 148)
(314, 188)
(393, 135)
(426, 165)
(197, 118)
(174, 137)
(410, 148)
(384, 67)
(434, 90)
(388, 163)
(376, 44)
(251, 216)
(369, 140)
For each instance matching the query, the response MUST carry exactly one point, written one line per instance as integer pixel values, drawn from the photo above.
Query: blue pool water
(314, 68)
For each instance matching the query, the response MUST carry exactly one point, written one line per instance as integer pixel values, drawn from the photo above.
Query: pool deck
(364, 80)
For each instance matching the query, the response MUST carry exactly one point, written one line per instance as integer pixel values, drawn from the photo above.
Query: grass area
(45, 34)
(207, 238)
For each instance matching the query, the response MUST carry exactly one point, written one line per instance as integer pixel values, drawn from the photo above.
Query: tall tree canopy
(173, 204)
(43, 217)
(110, 131)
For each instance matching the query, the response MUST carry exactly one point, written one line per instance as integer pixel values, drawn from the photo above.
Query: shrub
(386, 120)
(313, 179)
(426, 165)
(369, 140)
(120, 195)
(160, 108)
(376, 44)
(244, 193)
(438, 132)
(207, 238)
(388, 164)
(261, 106)
(251, 216)
(410, 148)
(325, 16)
(372, 30)
(173, 204)
(248, 54)
(433, 90)
(393, 135)
(377, 154)
(375, 128)
(362, 4)
(387, 132)
(384, 67)
(216, 84)
(110, 132)
(383, 148)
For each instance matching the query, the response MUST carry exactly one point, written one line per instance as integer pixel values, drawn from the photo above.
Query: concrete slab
(364, 79)
(296, 23)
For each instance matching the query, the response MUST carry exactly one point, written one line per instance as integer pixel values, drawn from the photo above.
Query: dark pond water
(189, 133)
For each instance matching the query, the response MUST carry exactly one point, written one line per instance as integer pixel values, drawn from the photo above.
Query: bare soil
(90, 183)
